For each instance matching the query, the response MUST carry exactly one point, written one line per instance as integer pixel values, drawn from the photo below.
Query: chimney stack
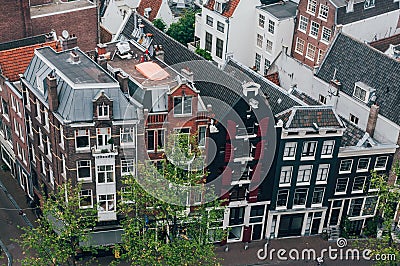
(101, 49)
(187, 74)
(372, 119)
(102, 61)
(74, 57)
(69, 42)
(159, 52)
(52, 92)
(123, 82)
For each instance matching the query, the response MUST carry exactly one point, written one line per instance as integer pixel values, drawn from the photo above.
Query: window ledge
(303, 183)
(323, 19)
(340, 193)
(289, 158)
(321, 182)
(344, 172)
(128, 145)
(284, 185)
(362, 171)
(307, 158)
(309, 12)
(82, 150)
(326, 156)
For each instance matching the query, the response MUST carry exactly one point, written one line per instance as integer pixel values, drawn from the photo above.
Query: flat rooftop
(165, 77)
(85, 71)
(281, 10)
(60, 6)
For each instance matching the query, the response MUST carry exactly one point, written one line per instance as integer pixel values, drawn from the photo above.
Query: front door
(290, 225)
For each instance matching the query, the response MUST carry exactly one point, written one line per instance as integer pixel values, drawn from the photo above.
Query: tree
(63, 225)
(389, 197)
(204, 53)
(159, 24)
(158, 232)
(183, 29)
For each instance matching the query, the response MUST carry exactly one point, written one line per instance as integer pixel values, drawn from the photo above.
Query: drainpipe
(227, 38)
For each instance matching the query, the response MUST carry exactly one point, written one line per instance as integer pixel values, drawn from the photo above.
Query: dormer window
(362, 91)
(359, 93)
(369, 4)
(218, 7)
(103, 111)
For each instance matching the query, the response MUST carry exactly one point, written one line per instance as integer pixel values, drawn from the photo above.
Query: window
(127, 135)
(46, 119)
(257, 214)
(314, 29)
(41, 142)
(61, 134)
(369, 205)
(5, 107)
(304, 174)
(312, 6)
(220, 26)
(103, 110)
(160, 139)
(381, 162)
(358, 184)
(310, 54)
(106, 202)
(267, 64)
(355, 207)
(151, 140)
(341, 185)
(209, 21)
(318, 195)
(103, 136)
(85, 199)
(299, 46)
(345, 165)
(323, 172)
(261, 20)
(271, 26)
(321, 54)
(363, 164)
(183, 105)
(105, 173)
(27, 100)
(282, 198)
(309, 148)
(202, 136)
(326, 34)
(359, 93)
(323, 12)
(208, 46)
(218, 7)
(257, 62)
(327, 147)
(219, 48)
(259, 40)
(82, 139)
(127, 194)
(290, 149)
(369, 4)
(269, 46)
(286, 175)
(303, 24)
(127, 167)
(300, 196)
(84, 170)
(353, 119)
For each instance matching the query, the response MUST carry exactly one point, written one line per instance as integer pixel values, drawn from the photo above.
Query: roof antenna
(334, 74)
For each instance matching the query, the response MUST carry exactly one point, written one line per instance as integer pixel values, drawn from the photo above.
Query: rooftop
(341, 3)
(23, 42)
(227, 9)
(85, 71)
(354, 61)
(60, 6)
(15, 61)
(383, 44)
(281, 10)
(154, 5)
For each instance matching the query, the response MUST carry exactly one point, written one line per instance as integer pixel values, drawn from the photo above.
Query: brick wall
(14, 20)
(105, 35)
(82, 23)
(39, 2)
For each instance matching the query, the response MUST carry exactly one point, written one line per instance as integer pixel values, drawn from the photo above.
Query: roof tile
(153, 4)
(229, 8)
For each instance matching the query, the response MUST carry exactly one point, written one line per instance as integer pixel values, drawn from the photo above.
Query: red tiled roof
(274, 77)
(383, 44)
(153, 4)
(229, 8)
(15, 61)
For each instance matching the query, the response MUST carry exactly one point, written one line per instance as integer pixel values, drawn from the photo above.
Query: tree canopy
(183, 29)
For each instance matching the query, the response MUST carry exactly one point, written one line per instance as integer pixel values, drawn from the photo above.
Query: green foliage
(371, 227)
(204, 53)
(183, 29)
(159, 24)
(160, 233)
(62, 227)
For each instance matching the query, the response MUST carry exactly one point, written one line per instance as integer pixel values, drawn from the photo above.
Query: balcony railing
(156, 118)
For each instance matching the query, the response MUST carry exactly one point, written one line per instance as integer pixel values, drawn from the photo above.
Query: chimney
(102, 61)
(123, 82)
(74, 57)
(187, 74)
(159, 53)
(336, 84)
(52, 92)
(51, 36)
(101, 49)
(372, 118)
(69, 42)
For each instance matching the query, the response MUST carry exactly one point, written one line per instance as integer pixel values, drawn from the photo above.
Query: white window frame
(320, 56)
(354, 181)
(285, 176)
(345, 171)
(326, 35)
(305, 178)
(104, 135)
(82, 133)
(90, 194)
(305, 199)
(109, 202)
(309, 54)
(303, 24)
(363, 169)
(181, 106)
(322, 199)
(354, 119)
(376, 161)
(312, 7)
(105, 172)
(314, 29)
(323, 173)
(336, 185)
(287, 199)
(308, 157)
(103, 111)
(78, 165)
(260, 40)
(201, 139)
(127, 163)
(269, 46)
(271, 26)
(323, 12)
(299, 43)
(289, 147)
(327, 143)
(261, 20)
(127, 131)
(360, 93)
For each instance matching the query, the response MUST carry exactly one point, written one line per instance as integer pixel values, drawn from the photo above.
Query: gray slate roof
(281, 11)
(23, 42)
(355, 61)
(76, 104)
(352, 135)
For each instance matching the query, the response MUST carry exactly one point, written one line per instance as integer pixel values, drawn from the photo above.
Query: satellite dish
(65, 34)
